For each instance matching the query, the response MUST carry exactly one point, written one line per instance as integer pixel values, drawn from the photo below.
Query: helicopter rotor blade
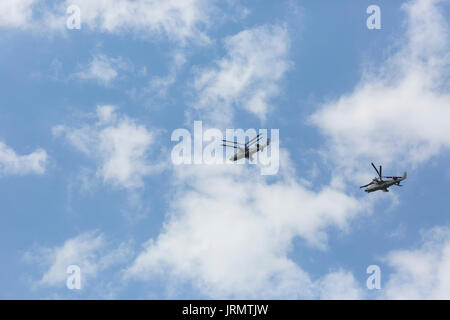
(251, 141)
(235, 147)
(376, 169)
(234, 142)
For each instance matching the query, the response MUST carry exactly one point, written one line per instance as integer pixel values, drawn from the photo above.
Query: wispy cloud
(340, 285)
(104, 69)
(421, 273)
(180, 21)
(89, 251)
(13, 164)
(119, 145)
(247, 77)
(162, 84)
(16, 13)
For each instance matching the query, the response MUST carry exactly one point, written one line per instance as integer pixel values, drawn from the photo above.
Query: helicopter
(245, 150)
(379, 184)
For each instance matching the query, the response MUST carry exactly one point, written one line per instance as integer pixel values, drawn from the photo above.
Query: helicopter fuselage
(384, 185)
(249, 152)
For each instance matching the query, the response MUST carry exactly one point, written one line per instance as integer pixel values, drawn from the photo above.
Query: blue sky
(86, 176)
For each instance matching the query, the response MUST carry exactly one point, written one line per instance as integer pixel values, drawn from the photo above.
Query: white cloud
(401, 111)
(119, 144)
(230, 232)
(340, 285)
(104, 69)
(421, 273)
(13, 164)
(89, 251)
(16, 13)
(162, 84)
(180, 21)
(247, 77)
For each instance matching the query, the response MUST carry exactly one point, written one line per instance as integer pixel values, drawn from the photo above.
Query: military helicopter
(380, 184)
(244, 150)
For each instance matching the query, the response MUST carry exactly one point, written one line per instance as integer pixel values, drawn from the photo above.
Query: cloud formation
(179, 21)
(230, 231)
(89, 251)
(421, 273)
(104, 69)
(400, 111)
(160, 85)
(16, 13)
(119, 144)
(13, 164)
(247, 77)
(340, 285)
